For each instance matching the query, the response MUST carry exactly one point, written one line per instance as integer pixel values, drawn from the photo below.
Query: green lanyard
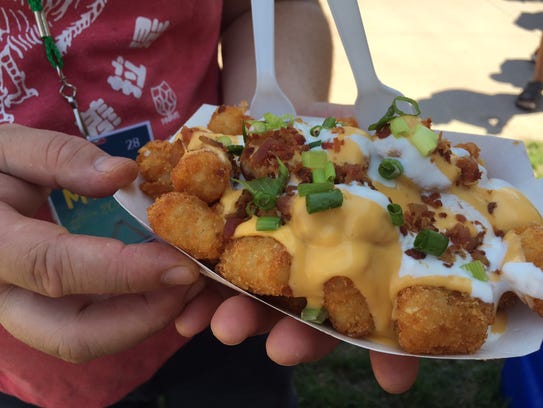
(67, 90)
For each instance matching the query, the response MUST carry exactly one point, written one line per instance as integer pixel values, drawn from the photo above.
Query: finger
(240, 317)
(21, 195)
(57, 160)
(395, 374)
(80, 328)
(292, 342)
(197, 315)
(42, 257)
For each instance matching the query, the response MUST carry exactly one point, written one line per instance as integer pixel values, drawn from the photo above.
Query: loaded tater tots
(393, 234)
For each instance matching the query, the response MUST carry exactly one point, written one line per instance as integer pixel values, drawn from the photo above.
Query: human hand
(237, 317)
(73, 296)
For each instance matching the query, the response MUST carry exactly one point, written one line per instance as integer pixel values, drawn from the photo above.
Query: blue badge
(104, 217)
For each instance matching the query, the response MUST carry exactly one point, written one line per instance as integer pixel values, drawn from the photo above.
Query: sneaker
(530, 96)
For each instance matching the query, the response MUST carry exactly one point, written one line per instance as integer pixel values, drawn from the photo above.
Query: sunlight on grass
(535, 153)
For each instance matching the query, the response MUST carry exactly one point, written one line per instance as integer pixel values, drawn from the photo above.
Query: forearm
(303, 52)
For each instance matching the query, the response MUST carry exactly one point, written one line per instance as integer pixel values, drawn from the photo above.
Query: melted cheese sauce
(358, 240)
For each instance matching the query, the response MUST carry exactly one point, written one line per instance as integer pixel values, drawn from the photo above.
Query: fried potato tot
(203, 173)
(228, 120)
(435, 320)
(347, 308)
(155, 161)
(260, 265)
(187, 222)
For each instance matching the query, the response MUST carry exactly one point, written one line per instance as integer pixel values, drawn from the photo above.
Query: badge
(104, 217)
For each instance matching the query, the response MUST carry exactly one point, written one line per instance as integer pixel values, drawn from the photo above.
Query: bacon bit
(186, 134)
(213, 142)
(383, 132)
(303, 174)
(230, 226)
(444, 149)
(461, 218)
(460, 235)
(427, 122)
(499, 233)
(469, 170)
(433, 200)
(480, 255)
(415, 253)
(334, 145)
(418, 217)
(491, 207)
(348, 121)
(337, 130)
(284, 206)
(442, 215)
(347, 173)
(472, 148)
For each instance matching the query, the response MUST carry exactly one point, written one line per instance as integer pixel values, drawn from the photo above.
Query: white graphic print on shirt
(100, 118)
(147, 31)
(165, 102)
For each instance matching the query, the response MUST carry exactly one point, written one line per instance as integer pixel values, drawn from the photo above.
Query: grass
(344, 378)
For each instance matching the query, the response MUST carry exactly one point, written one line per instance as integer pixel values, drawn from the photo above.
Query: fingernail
(179, 275)
(105, 164)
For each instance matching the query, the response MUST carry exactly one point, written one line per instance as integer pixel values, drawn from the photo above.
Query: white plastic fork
(373, 97)
(268, 95)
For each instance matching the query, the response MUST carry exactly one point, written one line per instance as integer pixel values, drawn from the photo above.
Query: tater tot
(228, 120)
(155, 162)
(435, 320)
(260, 265)
(203, 173)
(188, 223)
(347, 308)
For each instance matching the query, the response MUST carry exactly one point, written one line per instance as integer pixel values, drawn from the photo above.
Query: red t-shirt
(131, 62)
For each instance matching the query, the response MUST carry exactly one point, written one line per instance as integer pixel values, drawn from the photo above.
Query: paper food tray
(504, 158)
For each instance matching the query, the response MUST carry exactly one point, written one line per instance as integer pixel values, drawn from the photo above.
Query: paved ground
(465, 61)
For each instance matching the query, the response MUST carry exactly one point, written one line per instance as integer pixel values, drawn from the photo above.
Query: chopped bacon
(460, 218)
(433, 200)
(469, 170)
(383, 132)
(472, 148)
(418, 217)
(415, 253)
(444, 149)
(186, 134)
(347, 173)
(230, 226)
(491, 207)
(334, 145)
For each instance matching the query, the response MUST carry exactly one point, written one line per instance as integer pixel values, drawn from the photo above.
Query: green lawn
(344, 378)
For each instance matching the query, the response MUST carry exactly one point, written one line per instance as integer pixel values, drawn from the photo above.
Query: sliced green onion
(316, 143)
(329, 123)
(394, 111)
(268, 223)
(396, 214)
(424, 139)
(312, 188)
(400, 127)
(244, 131)
(314, 159)
(323, 201)
(258, 126)
(318, 176)
(236, 150)
(329, 172)
(431, 242)
(315, 130)
(390, 168)
(224, 140)
(314, 314)
(477, 269)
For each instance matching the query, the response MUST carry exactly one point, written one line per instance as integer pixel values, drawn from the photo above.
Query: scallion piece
(314, 159)
(396, 214)
(329, 123)
(323, 201)
(329, 172)
(314, 314)
(224, 140)
(477, 269)
(390, 168)
(431, 242)
(236, 150)
(316, 143)
(394, 111)
(315, 130)
(318, 176)
(268, 223)
(424, 139)
(305, 189)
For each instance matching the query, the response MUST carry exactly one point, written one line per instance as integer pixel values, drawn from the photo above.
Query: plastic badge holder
(522, 323)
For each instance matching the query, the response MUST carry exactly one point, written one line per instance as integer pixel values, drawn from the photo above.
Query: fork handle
(263, 31)
(346, 14)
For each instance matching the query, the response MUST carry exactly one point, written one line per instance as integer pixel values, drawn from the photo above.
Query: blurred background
(465, 61)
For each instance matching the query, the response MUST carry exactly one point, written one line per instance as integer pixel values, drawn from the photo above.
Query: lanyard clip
(69, 93)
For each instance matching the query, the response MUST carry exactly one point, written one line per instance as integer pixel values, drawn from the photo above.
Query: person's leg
(530, 96)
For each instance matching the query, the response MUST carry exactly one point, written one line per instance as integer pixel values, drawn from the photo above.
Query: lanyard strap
(67, 90)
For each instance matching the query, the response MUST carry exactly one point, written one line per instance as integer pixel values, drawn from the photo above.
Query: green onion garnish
(424, 139)
(330, 172)
(323, 201)
(431, 242)
(312, 188)
(318, 176)
(477, 269)
(314, 314)
(266, 190)
(314, 159)
(390, 168)
(316, 143)
(224, 140)
(236, 150)
(394, 111)
(329, 123)
(315, 130)
(268, 223)
(244, 131)
(396, 214)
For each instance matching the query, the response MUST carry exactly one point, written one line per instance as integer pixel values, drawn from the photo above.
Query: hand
(73, 296)
(236, 317)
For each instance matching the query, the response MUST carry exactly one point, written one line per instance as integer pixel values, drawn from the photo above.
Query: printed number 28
(133, 143)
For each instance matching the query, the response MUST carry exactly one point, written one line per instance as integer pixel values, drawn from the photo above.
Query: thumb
(55, 160)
